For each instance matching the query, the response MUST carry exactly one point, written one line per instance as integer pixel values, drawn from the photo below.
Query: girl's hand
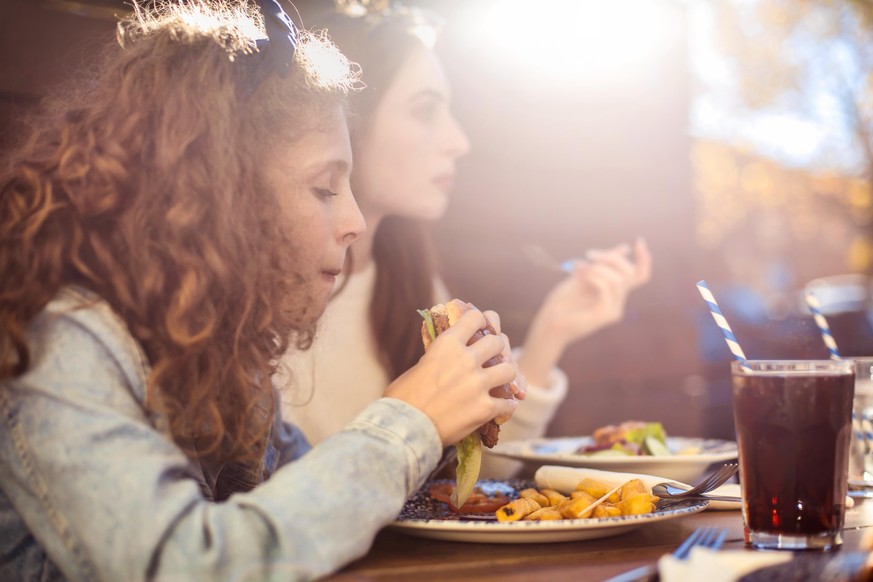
(450, 385)
(519, 385)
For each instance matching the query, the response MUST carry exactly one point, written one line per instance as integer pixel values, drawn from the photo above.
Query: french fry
(606, 510)
(517, 509)
(591, 498)
(633, 487)
(638, 504)
(577, 508)
(536, 496)
(597, 489)
(544, 514)
(553, 496)
(575, 505)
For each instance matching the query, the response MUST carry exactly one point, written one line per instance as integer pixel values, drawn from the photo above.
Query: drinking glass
(861, 456)
(793, 423)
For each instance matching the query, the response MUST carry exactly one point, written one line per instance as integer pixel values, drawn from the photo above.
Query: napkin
(565, 479)
(717, 565)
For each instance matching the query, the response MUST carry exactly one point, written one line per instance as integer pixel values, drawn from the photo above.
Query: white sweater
(326, 386)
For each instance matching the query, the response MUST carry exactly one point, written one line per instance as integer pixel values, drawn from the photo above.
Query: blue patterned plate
(424, 516)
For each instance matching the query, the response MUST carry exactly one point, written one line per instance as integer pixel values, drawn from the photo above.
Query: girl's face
(311, 178)
(405, 157)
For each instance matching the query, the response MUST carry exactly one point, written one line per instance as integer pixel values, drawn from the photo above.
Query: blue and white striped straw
(823, 327)
(721, 322)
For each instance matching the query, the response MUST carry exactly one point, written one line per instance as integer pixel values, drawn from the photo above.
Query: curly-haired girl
(167, 229)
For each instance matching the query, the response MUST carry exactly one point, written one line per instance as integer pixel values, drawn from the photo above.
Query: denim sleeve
(109, 497)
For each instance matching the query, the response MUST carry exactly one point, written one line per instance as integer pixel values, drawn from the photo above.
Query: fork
(715, 479)
(541, 257)
(704, 537)
(450, 454)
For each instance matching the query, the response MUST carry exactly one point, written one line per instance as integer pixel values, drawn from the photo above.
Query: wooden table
(396, 556)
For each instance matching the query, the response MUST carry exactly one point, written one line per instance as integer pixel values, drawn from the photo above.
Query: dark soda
(793, 433)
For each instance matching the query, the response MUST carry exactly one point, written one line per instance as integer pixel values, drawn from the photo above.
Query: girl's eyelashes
(325, 192)
(330, 184)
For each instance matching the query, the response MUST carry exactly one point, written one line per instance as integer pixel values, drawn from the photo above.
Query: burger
(437, 319)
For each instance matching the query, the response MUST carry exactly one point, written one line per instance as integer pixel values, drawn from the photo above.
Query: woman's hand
(591, 298)
(451, 386)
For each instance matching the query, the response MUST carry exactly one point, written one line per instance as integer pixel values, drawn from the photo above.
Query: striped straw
(823, 327)
(721, 322)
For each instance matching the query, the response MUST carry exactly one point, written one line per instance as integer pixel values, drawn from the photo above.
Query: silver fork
(704, 537)
(450, 454)
(541, 257)
(715, 479)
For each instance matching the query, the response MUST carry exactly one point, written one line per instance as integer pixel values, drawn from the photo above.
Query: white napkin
(565, 479)
(717, 565)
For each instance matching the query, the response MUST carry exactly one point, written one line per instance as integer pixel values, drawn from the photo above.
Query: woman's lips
(446, 182)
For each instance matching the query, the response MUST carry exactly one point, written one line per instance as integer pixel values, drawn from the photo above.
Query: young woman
(405, 144)
(167, 230)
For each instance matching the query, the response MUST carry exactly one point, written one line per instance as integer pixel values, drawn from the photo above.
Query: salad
(630, 438)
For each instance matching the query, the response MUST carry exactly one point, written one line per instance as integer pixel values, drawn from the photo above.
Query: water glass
(861, 457)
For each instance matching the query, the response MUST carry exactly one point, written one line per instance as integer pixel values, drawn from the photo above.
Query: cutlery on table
(705, 537)
(450, 454)
(541, 257)
(717, 478)
(671, 492)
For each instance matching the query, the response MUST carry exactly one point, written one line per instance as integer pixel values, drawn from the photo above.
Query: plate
(681, 467)
(860, 489)
(425, 517)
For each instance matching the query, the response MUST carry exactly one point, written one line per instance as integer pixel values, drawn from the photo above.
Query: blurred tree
(812, 59)
(786, 88)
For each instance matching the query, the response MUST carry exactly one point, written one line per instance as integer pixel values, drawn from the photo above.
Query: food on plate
(629, 438)
(477, 502)
(591, 499)
(437, 319)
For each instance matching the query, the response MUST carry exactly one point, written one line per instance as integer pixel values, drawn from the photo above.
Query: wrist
(539, 355)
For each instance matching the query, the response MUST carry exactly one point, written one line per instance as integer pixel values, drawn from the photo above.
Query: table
(396, 556)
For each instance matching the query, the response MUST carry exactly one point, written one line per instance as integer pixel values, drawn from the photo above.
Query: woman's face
(311, 178)
(405, 157)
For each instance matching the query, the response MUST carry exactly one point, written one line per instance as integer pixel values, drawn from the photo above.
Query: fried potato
(553, 496)
(536, 496)
(578, 507)
(591, 498)
(638, 504)
(544, 514)
(633, 487)
(517, 509)
(597, 489)
(606, 510)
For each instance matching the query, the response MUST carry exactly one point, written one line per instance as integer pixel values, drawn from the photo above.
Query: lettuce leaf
(651, 429)
(469, 449)
(467, 472)
(428, 322)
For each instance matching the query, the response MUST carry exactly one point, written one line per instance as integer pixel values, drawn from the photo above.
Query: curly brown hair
(142, 185)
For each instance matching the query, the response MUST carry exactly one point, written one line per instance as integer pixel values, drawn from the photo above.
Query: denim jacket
(92, 487)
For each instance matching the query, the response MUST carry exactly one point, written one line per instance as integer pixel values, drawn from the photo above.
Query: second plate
(683, 466)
